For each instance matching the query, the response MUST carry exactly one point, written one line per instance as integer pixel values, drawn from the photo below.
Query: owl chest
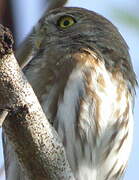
(95, 128)
(97, 145)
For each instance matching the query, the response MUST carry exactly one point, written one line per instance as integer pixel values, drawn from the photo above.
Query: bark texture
(35, 141)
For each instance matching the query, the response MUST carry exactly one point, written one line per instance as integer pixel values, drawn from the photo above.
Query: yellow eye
(66, 21)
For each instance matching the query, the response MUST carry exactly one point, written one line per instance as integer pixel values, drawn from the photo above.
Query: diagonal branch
(52, 4)
(35, 141)
(1, 170)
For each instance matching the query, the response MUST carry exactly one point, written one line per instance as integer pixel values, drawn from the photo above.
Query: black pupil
(66, 23)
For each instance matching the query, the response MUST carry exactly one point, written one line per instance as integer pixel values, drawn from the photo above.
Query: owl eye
(66, 21)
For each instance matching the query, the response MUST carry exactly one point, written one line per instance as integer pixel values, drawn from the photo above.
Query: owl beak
(37, 43)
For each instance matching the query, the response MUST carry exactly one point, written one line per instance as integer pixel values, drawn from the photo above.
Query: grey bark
(1, 170)
(35, 141)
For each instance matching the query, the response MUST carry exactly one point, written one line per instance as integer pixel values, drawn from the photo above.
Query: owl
(82, 74)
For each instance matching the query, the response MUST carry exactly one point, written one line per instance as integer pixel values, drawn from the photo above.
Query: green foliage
(129, 18)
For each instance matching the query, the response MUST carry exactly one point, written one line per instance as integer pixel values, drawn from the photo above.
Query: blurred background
(21, 15)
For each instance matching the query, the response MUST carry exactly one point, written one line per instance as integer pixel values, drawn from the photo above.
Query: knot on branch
(6, 41)
(52, 4)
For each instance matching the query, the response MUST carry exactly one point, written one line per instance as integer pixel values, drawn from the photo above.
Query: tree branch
(1, 170)
(35, 141)
(52, 4)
